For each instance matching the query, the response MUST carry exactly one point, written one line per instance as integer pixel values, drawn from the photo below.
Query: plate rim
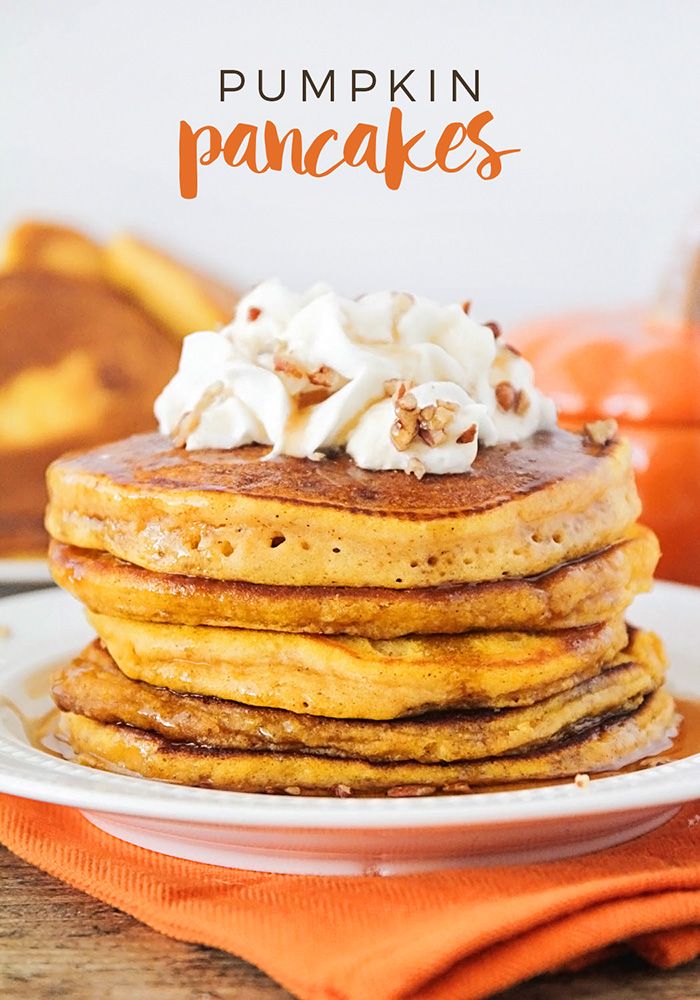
(21, 570)
(27, 772)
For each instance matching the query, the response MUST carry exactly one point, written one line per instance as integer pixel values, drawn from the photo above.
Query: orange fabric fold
(448, 935)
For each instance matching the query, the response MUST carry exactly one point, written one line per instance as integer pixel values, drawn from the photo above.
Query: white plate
(30, 570)
(327, 835)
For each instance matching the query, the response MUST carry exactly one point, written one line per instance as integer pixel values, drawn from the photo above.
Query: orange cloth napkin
(452, 935)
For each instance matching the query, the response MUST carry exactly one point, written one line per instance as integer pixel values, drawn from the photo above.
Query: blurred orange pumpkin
(643, 370)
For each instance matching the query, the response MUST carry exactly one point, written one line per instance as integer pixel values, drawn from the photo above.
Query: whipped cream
(398, 382)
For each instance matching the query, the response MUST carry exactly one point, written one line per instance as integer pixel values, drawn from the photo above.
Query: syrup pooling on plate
(40, 728)
(44, 733)
(687, 741)
(686, 744)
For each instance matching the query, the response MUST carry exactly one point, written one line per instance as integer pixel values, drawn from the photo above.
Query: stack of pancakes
(311, 627)
(88, 336)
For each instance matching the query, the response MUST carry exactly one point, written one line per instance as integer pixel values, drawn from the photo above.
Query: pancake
(606, 745)
(45, 246)
(94, 687)
(354, 677)
(79, 363)
(180, 297)
(522, 509)
(575, 594)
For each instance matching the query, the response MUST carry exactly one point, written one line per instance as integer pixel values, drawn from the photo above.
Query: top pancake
(522, 509)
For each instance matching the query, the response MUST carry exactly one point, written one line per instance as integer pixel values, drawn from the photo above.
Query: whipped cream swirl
(399, 382)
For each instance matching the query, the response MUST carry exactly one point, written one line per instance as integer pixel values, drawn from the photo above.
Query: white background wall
(603, 98)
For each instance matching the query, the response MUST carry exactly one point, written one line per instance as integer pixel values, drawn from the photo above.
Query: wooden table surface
(58, 942)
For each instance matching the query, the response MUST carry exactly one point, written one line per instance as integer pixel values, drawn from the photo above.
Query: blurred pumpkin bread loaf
(85, 346)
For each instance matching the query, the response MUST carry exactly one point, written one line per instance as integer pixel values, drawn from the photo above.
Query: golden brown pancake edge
(353, 677)
(614, 744)
(578, 593)
(521, 510)
(93, 686)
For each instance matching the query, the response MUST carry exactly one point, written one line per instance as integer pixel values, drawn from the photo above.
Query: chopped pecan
(457, 787)
(432, 421)
(431, 437)
(466, 437)
(402, 434)
(506, 396)
(405, 427)
(396, 387)
(288, 366)
(410, 791)
(416, 468)
(311, 397)
(601, 432)
(406, 401)
(327, 377)
(444, 414)
(316, 386)
(522, 403)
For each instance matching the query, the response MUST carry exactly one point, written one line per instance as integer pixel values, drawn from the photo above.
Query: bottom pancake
(608, 746)
(93, 686)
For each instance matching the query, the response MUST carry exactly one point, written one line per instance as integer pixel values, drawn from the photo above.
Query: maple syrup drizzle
(686, 743)
(40, 731)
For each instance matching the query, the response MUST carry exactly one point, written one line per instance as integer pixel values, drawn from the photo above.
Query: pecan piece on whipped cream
(415, 468)
(506, 396)
(433, 421)
(396, 387)
(601, 432)
(286, 365)
(308, 387)
(328, 378)
(467, 436)
(405, 428)
(522, 402)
